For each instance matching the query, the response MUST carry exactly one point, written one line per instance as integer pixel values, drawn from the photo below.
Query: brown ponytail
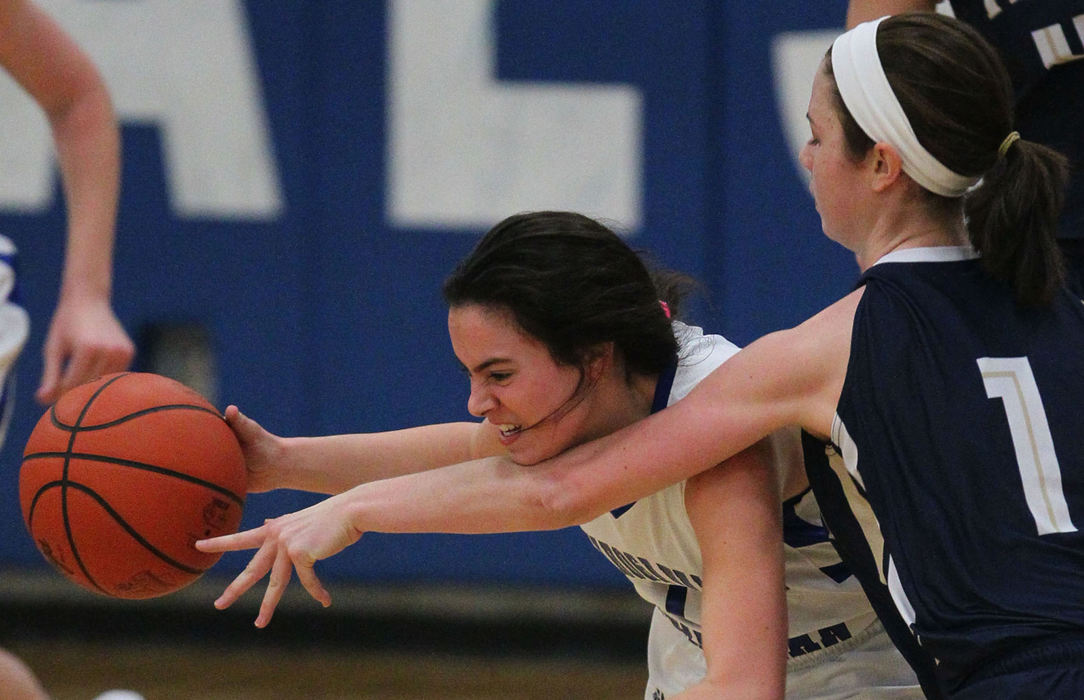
(1012, 219)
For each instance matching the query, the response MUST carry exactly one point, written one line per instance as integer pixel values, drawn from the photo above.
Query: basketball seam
(65, 484)
(141, 466)
(127, 417)
(116, 517)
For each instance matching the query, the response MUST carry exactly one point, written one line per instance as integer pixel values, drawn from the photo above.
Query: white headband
(869, 98)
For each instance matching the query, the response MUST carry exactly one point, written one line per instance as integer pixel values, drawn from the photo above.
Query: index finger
(247, 539)
(81, 367)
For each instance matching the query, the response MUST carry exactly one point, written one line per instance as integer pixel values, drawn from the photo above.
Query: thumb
(244, 427)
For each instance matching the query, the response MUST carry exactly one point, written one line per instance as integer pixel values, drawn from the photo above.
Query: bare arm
(734, 509)
(85, 338)
(859, 11)
(335, 463)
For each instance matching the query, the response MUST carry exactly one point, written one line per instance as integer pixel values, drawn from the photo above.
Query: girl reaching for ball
(560, 330)
(940, 398)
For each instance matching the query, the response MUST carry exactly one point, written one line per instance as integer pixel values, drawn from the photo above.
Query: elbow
(559, 500)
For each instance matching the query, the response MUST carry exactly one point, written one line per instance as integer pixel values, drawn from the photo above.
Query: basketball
(122, 475)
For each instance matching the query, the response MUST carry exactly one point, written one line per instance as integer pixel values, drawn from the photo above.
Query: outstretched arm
(483, 496)
(334, 463)
(85, 339)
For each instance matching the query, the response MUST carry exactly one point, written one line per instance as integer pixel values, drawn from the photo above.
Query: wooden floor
(434, 644)
(81, 670)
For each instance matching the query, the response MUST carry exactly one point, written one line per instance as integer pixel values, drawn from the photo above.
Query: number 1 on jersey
(1011, 380)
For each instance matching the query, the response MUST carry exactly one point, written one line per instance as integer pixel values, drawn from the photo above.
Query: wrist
(296, 463)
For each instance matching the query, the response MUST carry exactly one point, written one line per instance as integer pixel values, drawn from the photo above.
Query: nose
(805, 159)
(480, 401)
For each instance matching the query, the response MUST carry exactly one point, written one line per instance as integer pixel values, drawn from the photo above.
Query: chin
(527, 458)
(530, 457)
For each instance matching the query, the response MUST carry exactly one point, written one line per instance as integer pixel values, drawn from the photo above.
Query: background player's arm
(85, 338)
(734, 510)
(859, 11)
(334, 463)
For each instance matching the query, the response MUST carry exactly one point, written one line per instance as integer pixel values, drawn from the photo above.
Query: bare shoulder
(835, 317)
(808, 363)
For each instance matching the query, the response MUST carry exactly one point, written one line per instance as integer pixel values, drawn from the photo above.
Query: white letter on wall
(467, 150)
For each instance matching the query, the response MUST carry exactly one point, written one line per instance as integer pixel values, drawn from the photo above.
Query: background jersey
(959, 423)
(653, 543)
(14, 329)
(1042, 45)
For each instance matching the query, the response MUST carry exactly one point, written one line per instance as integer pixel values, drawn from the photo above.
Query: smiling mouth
(508, 430)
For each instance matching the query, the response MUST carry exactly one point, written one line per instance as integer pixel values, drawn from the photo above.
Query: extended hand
(293, 541)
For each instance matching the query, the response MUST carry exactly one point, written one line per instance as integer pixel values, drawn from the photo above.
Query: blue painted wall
(324, 309)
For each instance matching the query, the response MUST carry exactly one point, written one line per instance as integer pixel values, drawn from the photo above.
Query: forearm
(488, 495)
(494, 494)
(88, 152)
(335, 463)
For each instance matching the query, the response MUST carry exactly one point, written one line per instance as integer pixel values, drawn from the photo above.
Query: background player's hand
(294, 541)
(85, 341)
(262, 449)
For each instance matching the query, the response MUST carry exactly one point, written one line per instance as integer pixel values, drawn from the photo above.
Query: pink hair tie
(665, 308)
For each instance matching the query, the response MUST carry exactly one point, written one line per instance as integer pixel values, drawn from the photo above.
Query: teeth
(507, 428)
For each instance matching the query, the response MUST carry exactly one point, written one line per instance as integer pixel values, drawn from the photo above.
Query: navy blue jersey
(962, 435)
(1042, 44)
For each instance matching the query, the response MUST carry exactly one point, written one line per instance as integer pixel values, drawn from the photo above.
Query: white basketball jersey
(653, 543)
(14, 329)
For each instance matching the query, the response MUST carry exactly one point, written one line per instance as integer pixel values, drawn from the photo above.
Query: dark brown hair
(573, 283)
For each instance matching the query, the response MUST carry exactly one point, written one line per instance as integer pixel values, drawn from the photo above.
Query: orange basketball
(122, 475)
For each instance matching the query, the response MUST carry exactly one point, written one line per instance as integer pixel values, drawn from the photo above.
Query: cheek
(823, 177)
(815, 186)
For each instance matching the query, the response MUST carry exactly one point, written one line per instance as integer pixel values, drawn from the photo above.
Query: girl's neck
(892, 233)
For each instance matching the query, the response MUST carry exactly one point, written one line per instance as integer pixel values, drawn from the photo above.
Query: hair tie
(665, 308)
(1007, 144)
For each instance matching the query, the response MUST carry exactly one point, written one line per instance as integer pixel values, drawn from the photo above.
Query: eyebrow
(484, 365)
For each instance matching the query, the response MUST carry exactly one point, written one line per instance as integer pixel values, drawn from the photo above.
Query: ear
(598, 360)
(886, 166)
